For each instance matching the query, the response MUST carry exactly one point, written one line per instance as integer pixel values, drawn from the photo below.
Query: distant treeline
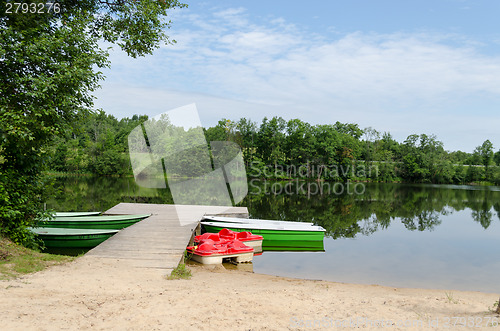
(280, 149)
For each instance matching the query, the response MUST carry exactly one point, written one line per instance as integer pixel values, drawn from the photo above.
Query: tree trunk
(320, 171)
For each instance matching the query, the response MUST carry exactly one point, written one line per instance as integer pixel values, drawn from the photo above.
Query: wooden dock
(160, 240)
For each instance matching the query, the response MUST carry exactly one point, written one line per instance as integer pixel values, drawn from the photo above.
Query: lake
(427, 236)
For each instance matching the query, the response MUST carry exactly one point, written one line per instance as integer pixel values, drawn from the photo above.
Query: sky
(404, 67)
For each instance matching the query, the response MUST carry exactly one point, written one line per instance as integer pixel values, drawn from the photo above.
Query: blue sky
(399, 66)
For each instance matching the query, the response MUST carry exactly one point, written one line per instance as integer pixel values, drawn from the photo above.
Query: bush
(21, 206)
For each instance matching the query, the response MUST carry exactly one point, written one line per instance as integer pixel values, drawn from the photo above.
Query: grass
(180, 272)
(451, 299)
(495, 308)
(16, 260)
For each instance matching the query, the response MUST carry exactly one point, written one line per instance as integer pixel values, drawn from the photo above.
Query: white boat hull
(218, 259)
(257, 221)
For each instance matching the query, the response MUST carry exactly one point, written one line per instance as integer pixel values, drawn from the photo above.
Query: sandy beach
(105, 294)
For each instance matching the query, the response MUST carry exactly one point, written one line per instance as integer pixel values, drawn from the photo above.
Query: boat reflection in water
(293, 246)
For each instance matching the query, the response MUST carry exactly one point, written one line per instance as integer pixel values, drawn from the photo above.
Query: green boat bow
(115, 222)
(72, 238)
(76, 213)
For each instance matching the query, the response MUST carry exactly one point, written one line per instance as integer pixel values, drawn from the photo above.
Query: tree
(221, 132)
(247, 131)
(337, 148)
(496, 158)
(349, 128)
(371, 136)
(387, 143)
(485, 153)
(421, 157)
(49, 67)
(327, 144)
(299, 146)
(270, 142)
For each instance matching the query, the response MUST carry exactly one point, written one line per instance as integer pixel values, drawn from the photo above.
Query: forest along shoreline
(279, 149)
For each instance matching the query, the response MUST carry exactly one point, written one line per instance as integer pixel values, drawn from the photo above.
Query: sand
(104, 294)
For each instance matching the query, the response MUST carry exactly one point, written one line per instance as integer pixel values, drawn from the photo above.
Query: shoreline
(100, 293)
(367, 283)
(290, 179)
(444, 290)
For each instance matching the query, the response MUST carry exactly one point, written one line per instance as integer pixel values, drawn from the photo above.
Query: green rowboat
(115, 222)
(255, 221)
(72, 238)
(279, 236)
(76, 213)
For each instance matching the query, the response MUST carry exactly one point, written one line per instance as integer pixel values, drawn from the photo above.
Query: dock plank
(160, 240)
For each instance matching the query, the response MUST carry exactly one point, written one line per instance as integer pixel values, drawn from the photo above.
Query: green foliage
(280, 150)
(486, 155)
(96, 144)
(496, 158)
(495, 175)
(474, 174)
(49, 68)
(180, 272)
(270, 140)
(422, 155)
(21, 197)
(496, 307)
(101, 193)
(220, 132)
(450, 297)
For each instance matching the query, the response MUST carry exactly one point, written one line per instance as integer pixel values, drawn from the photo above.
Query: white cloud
(232, 16)
(400, 82)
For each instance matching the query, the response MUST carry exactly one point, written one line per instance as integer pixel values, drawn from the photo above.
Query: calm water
(429, 236)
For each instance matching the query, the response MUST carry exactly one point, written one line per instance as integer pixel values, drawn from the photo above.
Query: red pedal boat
(211, 252)
(226, 235)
